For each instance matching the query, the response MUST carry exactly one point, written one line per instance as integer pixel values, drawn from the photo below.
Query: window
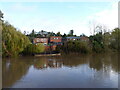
(37, 40)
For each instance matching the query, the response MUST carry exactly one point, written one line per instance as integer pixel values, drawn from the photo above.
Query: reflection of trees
(13, 70)
(104, 62)
(96, 62)
(115, 64)
(75, 60)
(40, 63)
(57, 62)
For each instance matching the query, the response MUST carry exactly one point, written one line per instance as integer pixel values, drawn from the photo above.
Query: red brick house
(40, 40)
(56, 40)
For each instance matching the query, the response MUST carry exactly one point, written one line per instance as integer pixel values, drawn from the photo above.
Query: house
(55, 40)
(71, 39)
(84, 38)
(40, 40)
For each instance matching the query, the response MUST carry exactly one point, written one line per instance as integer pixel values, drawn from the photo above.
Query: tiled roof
(72, 37)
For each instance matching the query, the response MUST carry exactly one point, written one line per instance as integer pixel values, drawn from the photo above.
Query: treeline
(74, 47)
(106, 41)
(98, 43)
(15, 43)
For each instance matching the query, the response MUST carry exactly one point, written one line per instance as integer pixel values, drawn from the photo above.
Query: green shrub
(34, 48)
(75, 47)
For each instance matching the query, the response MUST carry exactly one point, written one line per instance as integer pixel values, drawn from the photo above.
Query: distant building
(55, 40)
(71, 39)
(84, 38)
(44, 41)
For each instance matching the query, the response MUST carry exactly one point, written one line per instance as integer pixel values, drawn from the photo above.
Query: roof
(55, 36)
(40, 37)
(72, 37)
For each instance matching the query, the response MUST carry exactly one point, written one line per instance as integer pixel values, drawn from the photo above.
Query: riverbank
(57, 54)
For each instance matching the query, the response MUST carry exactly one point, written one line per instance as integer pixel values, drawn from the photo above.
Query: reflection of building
(48, 63)
(54, 64)
(41, 40)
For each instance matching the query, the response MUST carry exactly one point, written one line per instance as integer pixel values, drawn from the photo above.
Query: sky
(60, 16)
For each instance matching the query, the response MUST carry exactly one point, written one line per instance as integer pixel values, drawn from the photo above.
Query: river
(68, 71)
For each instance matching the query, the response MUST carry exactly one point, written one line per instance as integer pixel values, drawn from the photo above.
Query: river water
(68, 71)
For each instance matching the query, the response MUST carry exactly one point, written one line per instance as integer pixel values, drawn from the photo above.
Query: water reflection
(13, 70)
(46, 62)
(97, 68)
(105, 62)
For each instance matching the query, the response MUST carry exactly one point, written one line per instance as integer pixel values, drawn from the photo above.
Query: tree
(71, 33)
(33, 48)
(75, 47)
(1, 15)
(64, 35)
(97, 42)
(32, 35)
(58, 34)
(82, 35)
(106, 41)
(24, 32)
(115, 39)
(13, 41)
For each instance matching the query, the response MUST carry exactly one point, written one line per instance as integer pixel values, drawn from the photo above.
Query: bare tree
(92, 25)
(96, 27)
(1, 15)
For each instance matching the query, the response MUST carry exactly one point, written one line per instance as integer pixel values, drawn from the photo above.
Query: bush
(75, 47)
(98, 47)
(33, 48)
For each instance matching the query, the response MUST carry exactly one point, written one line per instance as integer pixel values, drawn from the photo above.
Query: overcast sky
(60, 16)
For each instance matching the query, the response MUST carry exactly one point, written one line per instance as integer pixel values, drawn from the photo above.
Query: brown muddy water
(70, 71)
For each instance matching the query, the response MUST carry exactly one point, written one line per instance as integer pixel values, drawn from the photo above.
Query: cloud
(23, 7)
(107, 17)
